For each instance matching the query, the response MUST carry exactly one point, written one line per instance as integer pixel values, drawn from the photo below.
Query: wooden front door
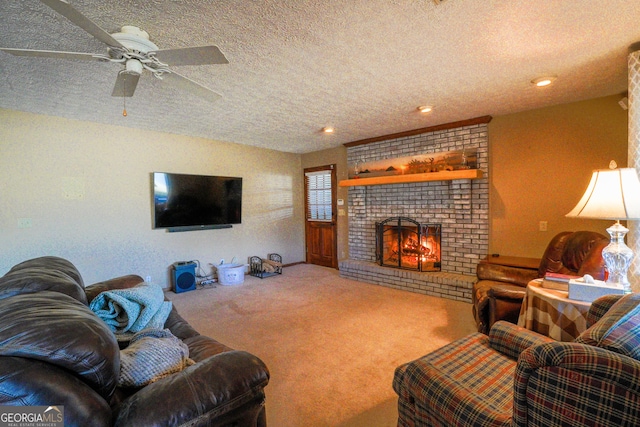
(320, 208)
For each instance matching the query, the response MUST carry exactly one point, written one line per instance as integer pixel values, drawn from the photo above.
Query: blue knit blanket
(127, 311)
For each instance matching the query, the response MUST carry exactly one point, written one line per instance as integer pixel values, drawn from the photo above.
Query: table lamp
(613, 194)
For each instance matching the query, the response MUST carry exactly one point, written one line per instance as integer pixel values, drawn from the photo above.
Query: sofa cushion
(600, 307)
(122, 282)
(51, 263)
(618, 329)
(625, 338)
(34, 279)
(577, 253)
(62, 331)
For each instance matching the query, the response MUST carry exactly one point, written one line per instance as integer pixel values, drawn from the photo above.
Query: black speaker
(184, 276)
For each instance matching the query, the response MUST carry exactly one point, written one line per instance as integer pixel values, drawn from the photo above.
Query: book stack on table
(557, 281)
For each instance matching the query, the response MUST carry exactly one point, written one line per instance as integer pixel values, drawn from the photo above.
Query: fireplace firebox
(405, 243)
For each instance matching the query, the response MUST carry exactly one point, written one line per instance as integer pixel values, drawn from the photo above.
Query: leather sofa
(54, 351)
(498, 293)
(516, 377)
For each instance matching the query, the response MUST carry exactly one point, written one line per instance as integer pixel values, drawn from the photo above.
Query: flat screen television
(196, 201)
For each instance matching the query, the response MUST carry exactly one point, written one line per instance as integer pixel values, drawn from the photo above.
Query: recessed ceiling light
(327, 129)
(543, 81)
(425, 108)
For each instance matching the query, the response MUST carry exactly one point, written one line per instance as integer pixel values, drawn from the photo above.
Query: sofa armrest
(505, 302)
(122, 282)
(503, 273)
(209, 390)
(582, 377)
(511, 340)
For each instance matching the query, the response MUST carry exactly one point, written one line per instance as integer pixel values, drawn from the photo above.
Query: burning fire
(423, 250)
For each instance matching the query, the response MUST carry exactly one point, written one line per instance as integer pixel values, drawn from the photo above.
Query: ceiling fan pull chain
(124, 98)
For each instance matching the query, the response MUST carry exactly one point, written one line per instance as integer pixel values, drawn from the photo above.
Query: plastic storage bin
(231, 274)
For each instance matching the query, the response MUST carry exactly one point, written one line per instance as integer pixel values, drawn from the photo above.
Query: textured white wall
(82, 191)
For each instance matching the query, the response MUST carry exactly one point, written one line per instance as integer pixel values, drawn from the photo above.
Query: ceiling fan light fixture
(543, 81)
(425, 109)
(134, 66)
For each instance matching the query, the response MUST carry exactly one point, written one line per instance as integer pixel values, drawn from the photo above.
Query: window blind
(319, 195)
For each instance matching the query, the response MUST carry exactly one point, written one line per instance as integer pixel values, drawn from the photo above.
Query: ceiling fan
(132, 48)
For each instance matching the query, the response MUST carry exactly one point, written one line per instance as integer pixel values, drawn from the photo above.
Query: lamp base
(617, 257)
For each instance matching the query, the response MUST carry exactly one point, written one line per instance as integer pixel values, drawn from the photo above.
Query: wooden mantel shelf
(415, 177)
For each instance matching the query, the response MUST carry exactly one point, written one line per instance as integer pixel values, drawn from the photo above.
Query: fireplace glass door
(405, 243)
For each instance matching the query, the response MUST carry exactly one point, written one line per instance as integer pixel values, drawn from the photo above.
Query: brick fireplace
(460, 207)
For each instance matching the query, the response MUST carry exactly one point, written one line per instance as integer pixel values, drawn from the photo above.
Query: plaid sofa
(515, 377)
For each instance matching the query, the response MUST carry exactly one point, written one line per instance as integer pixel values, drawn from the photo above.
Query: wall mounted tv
(193, 202)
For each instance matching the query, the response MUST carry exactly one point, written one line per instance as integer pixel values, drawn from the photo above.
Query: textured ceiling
(362, 66)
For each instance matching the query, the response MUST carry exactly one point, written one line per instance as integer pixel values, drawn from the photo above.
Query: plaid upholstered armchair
(515, 377)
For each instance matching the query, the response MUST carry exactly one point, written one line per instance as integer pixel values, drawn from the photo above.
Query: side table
(550, 312)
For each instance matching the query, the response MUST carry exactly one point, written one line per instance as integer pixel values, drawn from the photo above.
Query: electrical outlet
(543, 225)
(147, 279)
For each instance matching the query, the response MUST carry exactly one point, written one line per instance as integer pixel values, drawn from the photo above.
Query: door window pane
(319, 195)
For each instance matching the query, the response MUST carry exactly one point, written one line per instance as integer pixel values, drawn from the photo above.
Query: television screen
(182, 200)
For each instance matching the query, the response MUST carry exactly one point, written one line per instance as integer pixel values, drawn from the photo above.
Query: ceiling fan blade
(53, 54)
(191, 56)
(181, 82)
(66, 10)
(125, 84)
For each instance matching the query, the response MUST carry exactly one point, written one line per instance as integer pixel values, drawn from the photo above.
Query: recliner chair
(516, 377)
(498, 293)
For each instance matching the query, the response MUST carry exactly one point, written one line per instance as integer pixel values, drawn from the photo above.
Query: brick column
(633, 159)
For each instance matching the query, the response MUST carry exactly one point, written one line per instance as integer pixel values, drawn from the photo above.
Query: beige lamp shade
(611, 194)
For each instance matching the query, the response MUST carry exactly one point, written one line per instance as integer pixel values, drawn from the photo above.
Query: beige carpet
(331, 344)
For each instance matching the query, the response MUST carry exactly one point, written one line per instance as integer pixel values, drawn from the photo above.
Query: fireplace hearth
(407, 244)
